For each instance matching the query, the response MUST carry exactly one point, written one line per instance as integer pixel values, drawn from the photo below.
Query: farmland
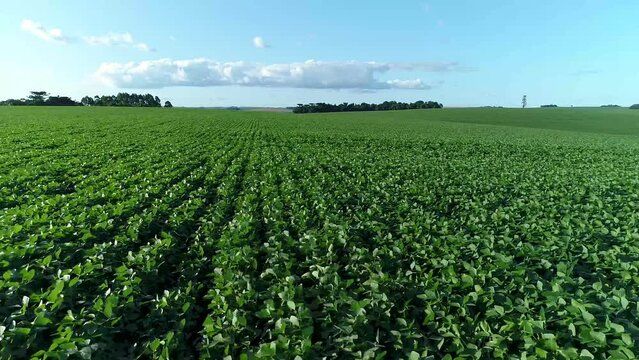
(455, 233)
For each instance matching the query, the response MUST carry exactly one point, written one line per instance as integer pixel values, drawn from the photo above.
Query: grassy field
(427, 234)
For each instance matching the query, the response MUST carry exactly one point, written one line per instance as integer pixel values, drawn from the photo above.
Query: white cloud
(259, 42)
(50, 35)
(143, 47)
(406, 84)
(310, 74)
(110, 39)
(116, 39)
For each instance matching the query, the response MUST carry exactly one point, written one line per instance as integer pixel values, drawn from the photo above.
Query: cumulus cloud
(50, 35)
(310, 74)
(116, 39)
(259, 42)
(406, 84)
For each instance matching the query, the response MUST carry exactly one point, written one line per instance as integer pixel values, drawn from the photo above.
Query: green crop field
(426, 234)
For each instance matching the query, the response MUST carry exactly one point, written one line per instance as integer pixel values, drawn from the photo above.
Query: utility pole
(524, 102)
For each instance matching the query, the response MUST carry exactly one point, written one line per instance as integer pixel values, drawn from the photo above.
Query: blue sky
(279, 53)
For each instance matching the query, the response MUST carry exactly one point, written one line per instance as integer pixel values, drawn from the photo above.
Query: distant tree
(41, 98)
(167, 104)
(123, 99)
(37, 97)
(386, 105)
(610, 106)
(524, 102)
(61, 101)
(148, 100)
(549, 106)
(87, 101)
(14, 102)
(635, 107)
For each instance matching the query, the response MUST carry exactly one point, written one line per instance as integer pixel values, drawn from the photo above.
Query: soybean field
(420, 234)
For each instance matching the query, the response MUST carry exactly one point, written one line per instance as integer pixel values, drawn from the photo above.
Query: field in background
(182, 232)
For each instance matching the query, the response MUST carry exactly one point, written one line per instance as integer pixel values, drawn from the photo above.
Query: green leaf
(599, 337)
(109, 304)
(55, 293)
(16, 228)
(585, 354)
(427, 295)
(47, 260)
(28, 275)
(573, 330)
(570, 353)
(154, 345)
(562, 268)
(622, 353)
(541, 353)
(624, 302)
(22, 331)
(41, 320)
(617, 328)
(588, 317)
(264, 314)
(597, 286)
(267, 350)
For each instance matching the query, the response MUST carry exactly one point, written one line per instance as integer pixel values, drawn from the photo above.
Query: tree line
(125, 99)
(42, 98)
(386, 105)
